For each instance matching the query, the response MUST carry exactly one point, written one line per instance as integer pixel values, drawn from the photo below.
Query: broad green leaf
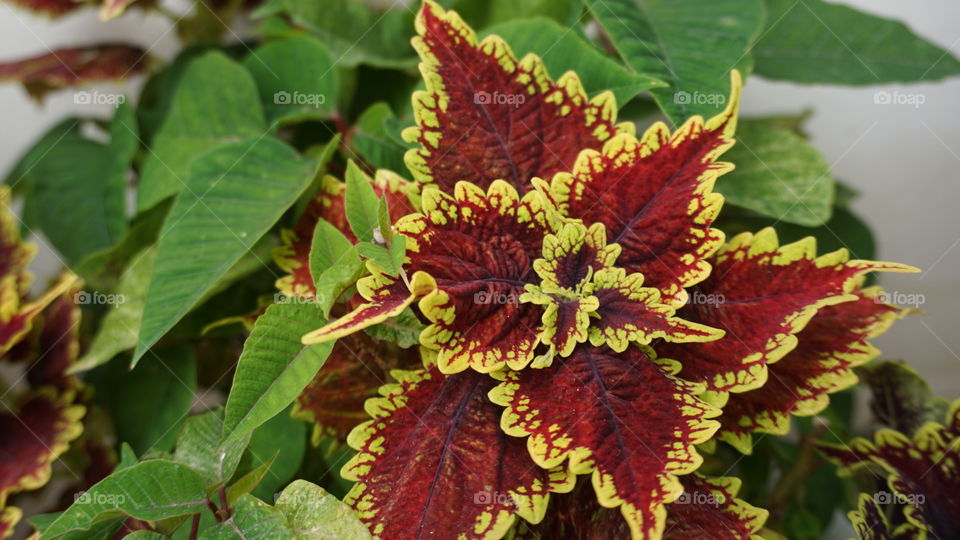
(104, 269)
(101, 531)
(121, 325)
(404, 330)
(378, 254)
(216, 103)
(812, 41)
(128, 457)
(284, 437)
(274, 366)
(900, 398)
(334, 264)
(778, 174)
(372, 140)
(563, 49)
(249, 481)
(490, 12)
(353, 31)
(236, 193)
(145, 535)
(690, 44)
(198, 447)
(252, 518)
(77, 188)
(151, 490)
(149, 404)
(361, 203)
(297, 79)
(313, 513)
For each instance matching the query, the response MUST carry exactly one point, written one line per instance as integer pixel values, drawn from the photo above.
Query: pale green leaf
(778, 174)
(334, 264)
(811, 41)
(251, 519)
(198, 447)
(690, 44)
(314, 514)
(274, 366)
(361, 203)
(236, 194)
(152, 490)
(215, 103)
(563, 49)
(297, 79)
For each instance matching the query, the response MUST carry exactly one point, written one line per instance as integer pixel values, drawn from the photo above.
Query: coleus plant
(542, 328)
(564, 301)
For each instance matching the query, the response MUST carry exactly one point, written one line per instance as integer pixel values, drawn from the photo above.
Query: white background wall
(904, 160)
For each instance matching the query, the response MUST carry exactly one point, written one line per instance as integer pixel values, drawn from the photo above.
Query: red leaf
(33, 437)
(654, 195)
(762, 294)
(433, 462)
(53, 8)
(486, 116)
(622, 417)
(829, 347)
(479, 247)
(72, 66)
(923, 472)
(357, 366)
(708, 508)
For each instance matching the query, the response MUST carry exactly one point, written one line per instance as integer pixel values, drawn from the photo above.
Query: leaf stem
(194, 527)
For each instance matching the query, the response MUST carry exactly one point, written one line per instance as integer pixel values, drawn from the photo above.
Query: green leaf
(901, 399)
(249, 481)
(104, 269)
(372, 140)
(121, 325)
(563, 50)
(778, 174)
(77, 188)
(149, 404)
(252, 518)
(818, 42)
(151, 490)
(313, 513)
(384, 223)
(236, 193)
(286, 437)
(200, 120)
(274, 366)
(379, 255)
(145, 535)
(297, 79)
(334, 264)
(690, 44)
(354, 32)
(361, 203)
(404, 330)
(490, 12)
(198, 447)
(128, 457)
